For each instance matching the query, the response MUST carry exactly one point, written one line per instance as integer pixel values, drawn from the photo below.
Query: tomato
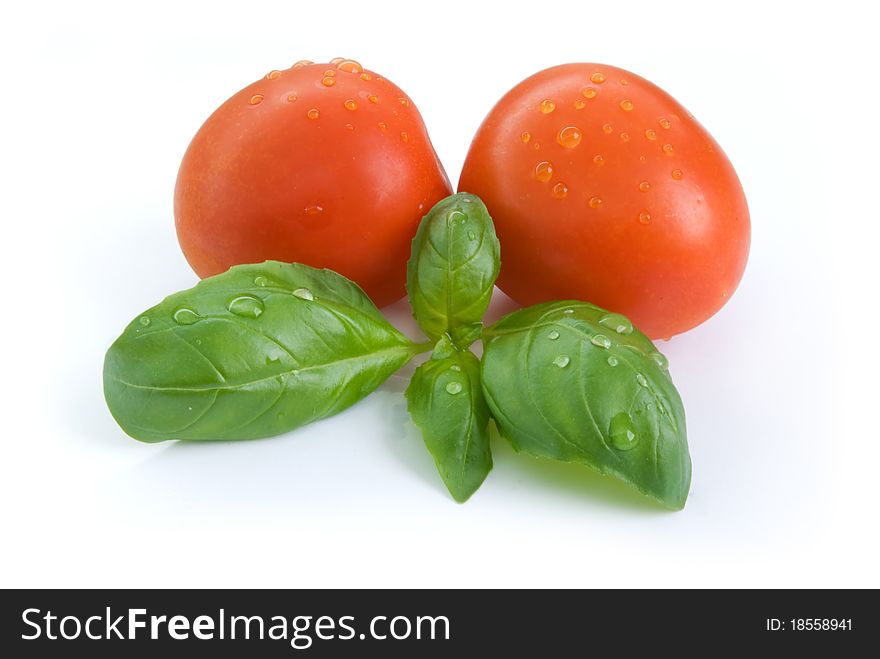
(604, 188)
(323, 164)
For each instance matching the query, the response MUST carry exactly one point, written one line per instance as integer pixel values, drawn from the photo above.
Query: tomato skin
(294, 168)
(644, 215)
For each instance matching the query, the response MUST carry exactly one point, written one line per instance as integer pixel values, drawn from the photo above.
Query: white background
(99, 103)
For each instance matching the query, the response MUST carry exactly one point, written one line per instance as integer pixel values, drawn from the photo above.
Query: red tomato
(603, 188)
(324, 164)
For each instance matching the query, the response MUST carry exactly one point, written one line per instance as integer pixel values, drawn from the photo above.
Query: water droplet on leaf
(660, 360)
(185, 316)
(453, 388)
(304, 294)
(144, 321)
(246, 306)
(601, 341)
(622, 432)
(456, 217)
(616, 322)
(642, 380)
(562, 361)
(553, 335)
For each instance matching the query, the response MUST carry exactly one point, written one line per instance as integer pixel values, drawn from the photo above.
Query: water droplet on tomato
(349, 126)
(624, 82)
(612, 361)
(246, 306)
(642, 380)
(562, 361)
(403, 101)
(651, 134)
(595, 202)
(291, 98)
(314, 209)
(664, 123)
(660, 360)
(372, 98)
(351, 104)
(525, 136)
(337, 60)
(144, 321)
(607, 129)
(302, 63)
(626, 105)
(616, 322)
(350, 66)
(598, 159)
(313, 114)
(580, 104)
(644, 186)
(598, 78)
(589, 92)
(547, 106)
(600, 341)
(453, 388)
(404, 137)
(329, 73)
(185, 316)
(365, 76)
(543, 171)
(644, 217)
(327, 81)
(560, 190)
(677, 174)
(667, 149)
(382, 125)
(303, 294)
(272, 75)
(256, 99)
(569, 137)
(624, 137)
(622, 432)
(553, 335)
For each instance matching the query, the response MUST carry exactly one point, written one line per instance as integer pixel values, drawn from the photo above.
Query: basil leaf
(570, 381)
(454, 264)
(446, 402)
(254, 352)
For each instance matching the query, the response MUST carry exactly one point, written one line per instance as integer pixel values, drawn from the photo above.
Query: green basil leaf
(254, 352)
(446, 403)
(572, 382)
(454, 264)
